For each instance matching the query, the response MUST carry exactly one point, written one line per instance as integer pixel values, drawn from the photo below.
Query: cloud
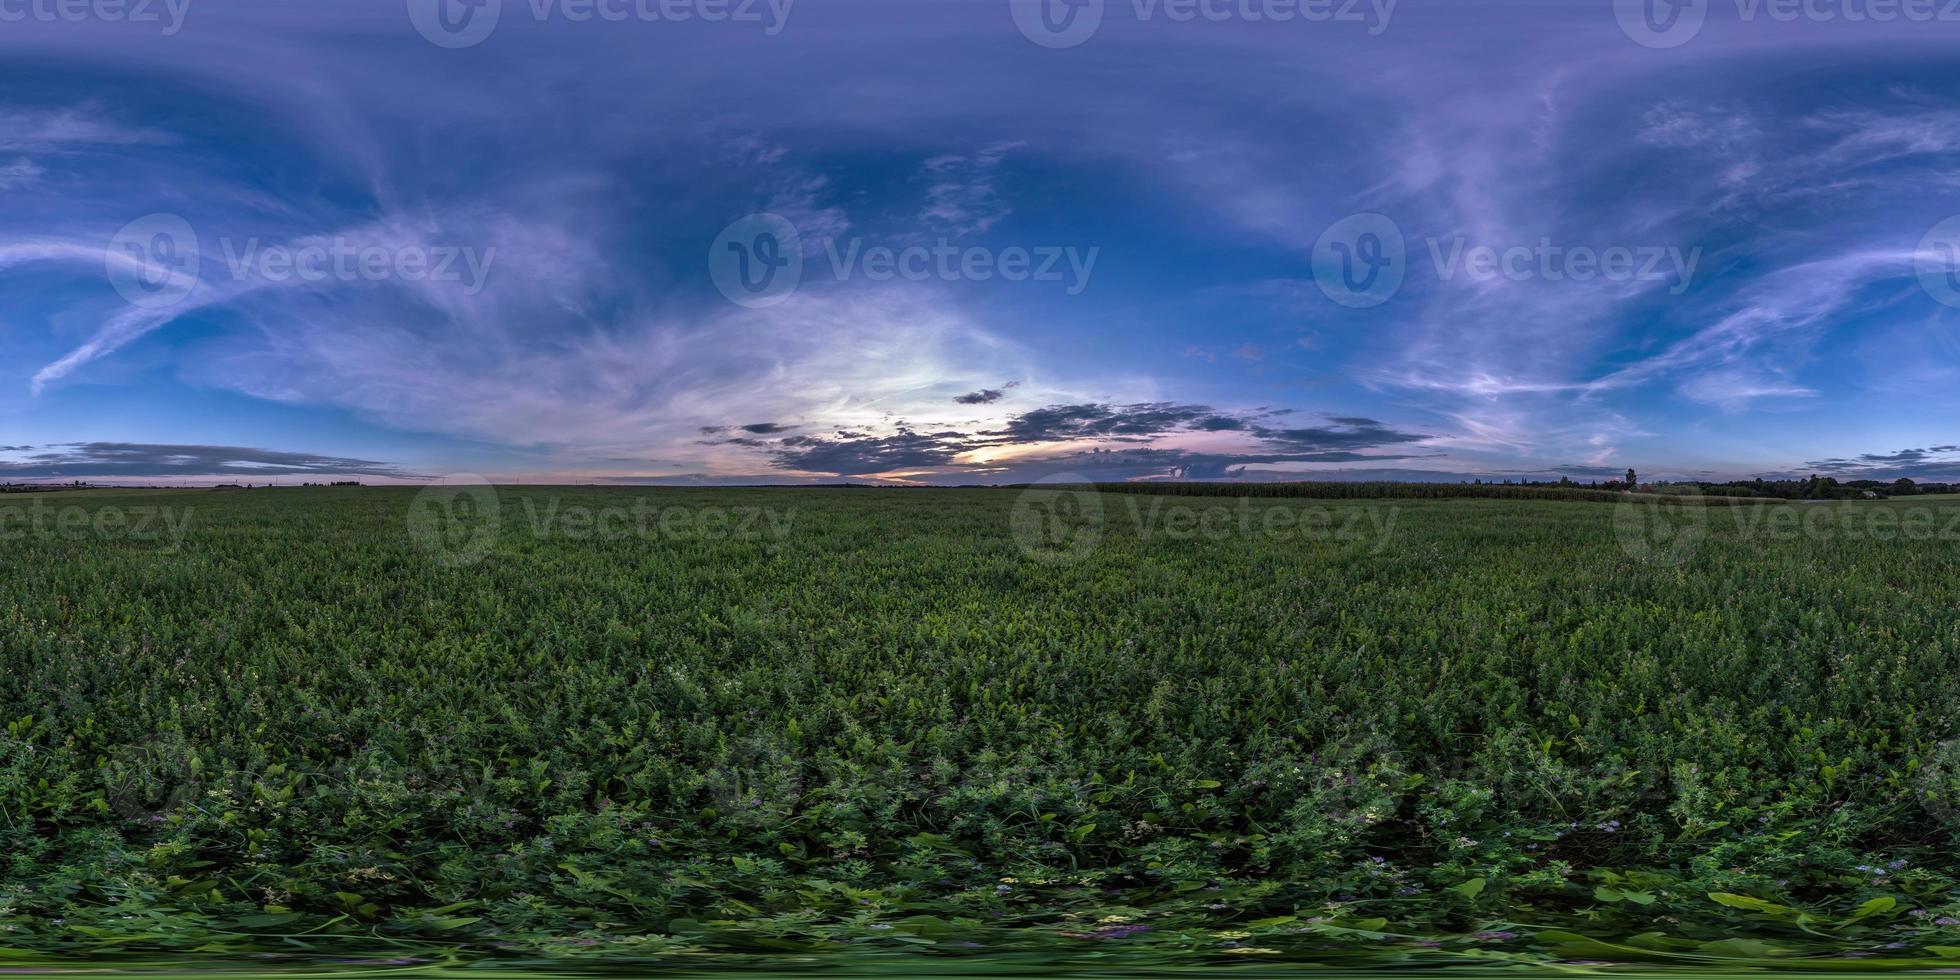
(48, 130)
(125, 459)
(1939, 463)
(985, 396)
(766, 428)
(963, 196)
(867, 455)
(963, 456)
(1343, 433)
(1059, 423)
(19, 173)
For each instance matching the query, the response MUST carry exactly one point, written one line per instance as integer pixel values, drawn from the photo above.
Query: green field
(1055, 730)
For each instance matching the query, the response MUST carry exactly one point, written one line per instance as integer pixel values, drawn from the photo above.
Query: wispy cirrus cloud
(599, 341)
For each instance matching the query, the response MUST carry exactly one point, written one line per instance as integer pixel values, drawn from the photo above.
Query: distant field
(1112, 730)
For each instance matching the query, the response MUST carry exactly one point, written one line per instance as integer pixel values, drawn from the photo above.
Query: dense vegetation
(871, 723)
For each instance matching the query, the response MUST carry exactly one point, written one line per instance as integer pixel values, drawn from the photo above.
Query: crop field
(544, 728)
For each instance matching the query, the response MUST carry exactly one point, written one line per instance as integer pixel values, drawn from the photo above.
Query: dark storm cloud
(1142, 422)
(766, 428)
(1131, 423)
(126, 459)
(1222, 423)
(1346, 432)
(1936, 462)
(1343, 440)
(862, 456)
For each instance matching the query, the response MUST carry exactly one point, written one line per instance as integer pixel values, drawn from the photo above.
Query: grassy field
(552, 727)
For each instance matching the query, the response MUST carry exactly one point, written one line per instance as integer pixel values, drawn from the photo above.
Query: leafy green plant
(1481, 737)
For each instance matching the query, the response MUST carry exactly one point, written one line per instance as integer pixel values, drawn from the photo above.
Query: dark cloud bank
(1342, 439)
(98, 460)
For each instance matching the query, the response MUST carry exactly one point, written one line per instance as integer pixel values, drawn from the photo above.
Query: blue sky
(1255, 239)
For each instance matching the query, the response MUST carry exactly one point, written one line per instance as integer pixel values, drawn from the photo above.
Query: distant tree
(1903, 486)
(1633, 479)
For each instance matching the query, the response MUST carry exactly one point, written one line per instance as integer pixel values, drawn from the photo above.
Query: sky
(978, 241)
